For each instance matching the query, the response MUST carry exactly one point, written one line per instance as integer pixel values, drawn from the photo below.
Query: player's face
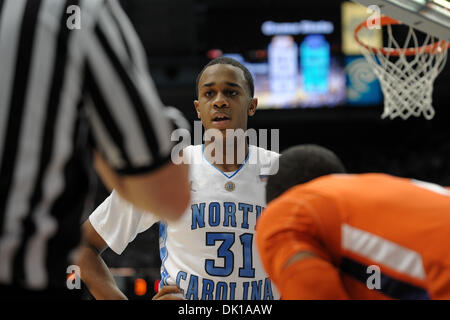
(224, 100)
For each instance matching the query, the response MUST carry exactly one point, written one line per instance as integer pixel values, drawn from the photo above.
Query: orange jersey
(364, 226)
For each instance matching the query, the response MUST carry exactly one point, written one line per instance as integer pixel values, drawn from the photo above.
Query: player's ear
(252, 106)
(196, 105)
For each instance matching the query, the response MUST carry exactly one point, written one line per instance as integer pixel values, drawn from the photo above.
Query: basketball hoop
(406, 73)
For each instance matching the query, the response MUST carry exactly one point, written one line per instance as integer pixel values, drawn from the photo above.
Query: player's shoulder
(262, 153)
(324, 186)
(192, 154)
(362, 179)
(265, 160)
(192, 150)
(349, 186)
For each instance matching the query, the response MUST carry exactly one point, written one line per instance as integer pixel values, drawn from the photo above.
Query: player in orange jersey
(363, 236)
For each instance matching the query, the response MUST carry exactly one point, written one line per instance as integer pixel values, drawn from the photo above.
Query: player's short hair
(225, 60)
(300, 164)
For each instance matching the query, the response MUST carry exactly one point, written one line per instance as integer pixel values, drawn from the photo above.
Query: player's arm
(293, 255)
(309, 277)
(162, 191)
(130, 126)
(169, 293)
(114, 224)
(94, 271)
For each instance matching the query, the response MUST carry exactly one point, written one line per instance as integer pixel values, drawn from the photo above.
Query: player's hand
(169, 293)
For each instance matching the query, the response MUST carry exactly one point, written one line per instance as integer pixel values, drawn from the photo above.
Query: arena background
(177, 35)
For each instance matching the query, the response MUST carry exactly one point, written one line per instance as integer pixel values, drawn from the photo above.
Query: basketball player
(361, 236)
(210, 252)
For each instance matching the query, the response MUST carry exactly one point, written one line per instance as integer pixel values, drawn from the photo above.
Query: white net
(407, 80)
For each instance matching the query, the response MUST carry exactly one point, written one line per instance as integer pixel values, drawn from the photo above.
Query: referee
(74, 91)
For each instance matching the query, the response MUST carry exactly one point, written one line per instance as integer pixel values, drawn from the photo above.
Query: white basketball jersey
(210, 252)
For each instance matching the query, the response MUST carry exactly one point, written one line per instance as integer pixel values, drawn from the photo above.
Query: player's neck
(229, 159)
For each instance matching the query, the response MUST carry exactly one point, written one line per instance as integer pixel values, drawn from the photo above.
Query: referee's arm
(131, 127)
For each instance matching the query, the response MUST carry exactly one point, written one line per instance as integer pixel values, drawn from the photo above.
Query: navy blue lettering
(223, 251)
(268, 295)
(208, 288)
(229, 213)
(214, 214)
(247, 270)
(221, 291)
(198, 216)
(181, 275)
(256, 290)
(245, 293)
(232, 290)
(192, 291)
(245, 208)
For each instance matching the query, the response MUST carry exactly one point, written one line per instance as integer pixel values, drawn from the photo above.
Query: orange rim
(384, 21)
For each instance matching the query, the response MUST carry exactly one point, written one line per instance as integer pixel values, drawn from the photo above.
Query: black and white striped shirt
(64, 92)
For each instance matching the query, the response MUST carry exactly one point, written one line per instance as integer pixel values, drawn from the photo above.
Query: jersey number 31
(224, 252)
